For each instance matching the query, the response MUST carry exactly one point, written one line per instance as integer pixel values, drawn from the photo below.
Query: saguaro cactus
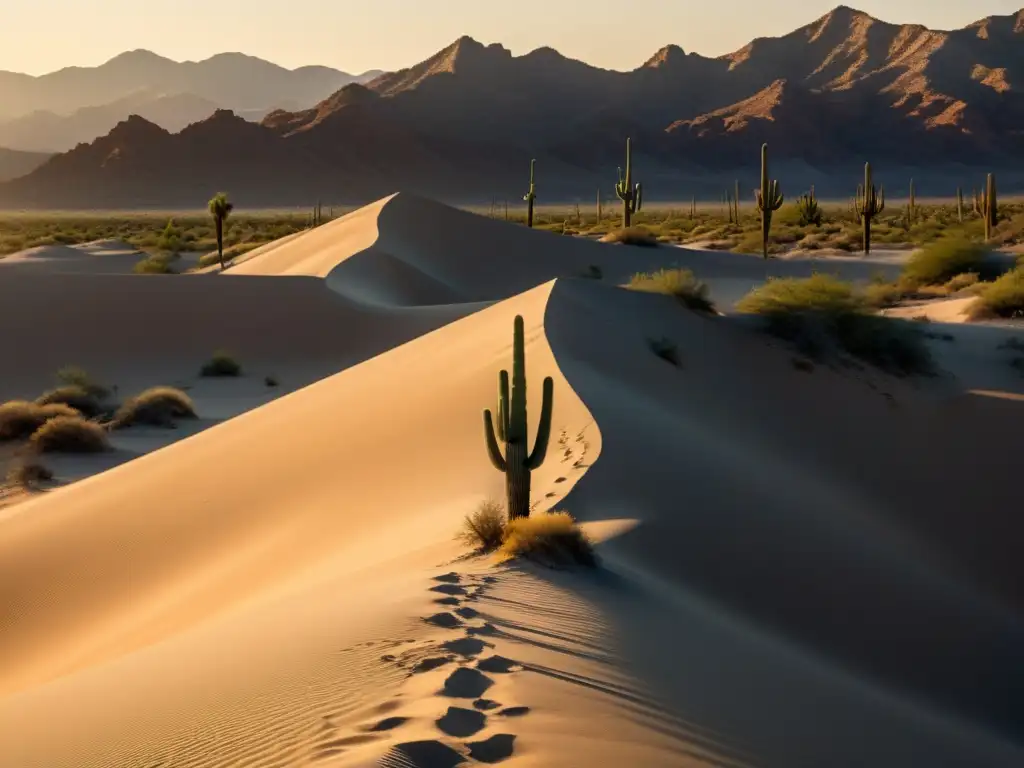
(989, 210)
(631, 195)
(769, 199)
(599, 211)
(869, 203)
(530, 196)
(911, 205)
(959, 205)
(736, 199)
(511, 428)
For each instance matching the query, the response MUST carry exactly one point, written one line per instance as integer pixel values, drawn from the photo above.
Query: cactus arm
(540, 445)
(503, 406)
(639, 194)
(493, 451)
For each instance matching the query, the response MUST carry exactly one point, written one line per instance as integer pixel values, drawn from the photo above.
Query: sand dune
(804, 568)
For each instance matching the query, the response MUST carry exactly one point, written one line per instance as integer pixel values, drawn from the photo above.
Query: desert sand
(800, 568)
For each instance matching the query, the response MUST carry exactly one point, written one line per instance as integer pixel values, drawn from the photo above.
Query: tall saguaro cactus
(911, 205)
(769, 199)
(736, 199)
(869, 203)
(959, 205)
(510, 428)
(530, 196)
(989, 210)
(631, 195)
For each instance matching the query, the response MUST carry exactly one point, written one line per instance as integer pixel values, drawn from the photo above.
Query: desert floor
(800, 568)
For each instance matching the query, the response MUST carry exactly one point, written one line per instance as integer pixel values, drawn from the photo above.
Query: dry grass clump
(157, 406)
(674, 282)
(1003, 297)
(28, 474)
(74, 376)
(939, 262)
(69, 434)
(484, 528)
(821, 313)
(631, 236)
(154, 265)
(19, 419)
(74, 396)
(550, 537)
(221, 364)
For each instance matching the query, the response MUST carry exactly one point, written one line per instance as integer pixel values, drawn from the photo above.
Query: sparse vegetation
(72, 375)
(820, 313)
(69, 434)
(221, 364)
(74, 396)
(28, 474)
(631, 236)
(19, 419)
(674, 282)
(157, 406)
(484, 528)
(629, 193)
(159, 264)
(220, 208)
(942, 261)
(1003, 297)
(553, 538)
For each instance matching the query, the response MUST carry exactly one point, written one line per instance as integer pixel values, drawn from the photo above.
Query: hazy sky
(38, 36)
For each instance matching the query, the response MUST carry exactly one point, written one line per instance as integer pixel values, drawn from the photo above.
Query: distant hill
(231, 80)
(463, 124)
(14, 163)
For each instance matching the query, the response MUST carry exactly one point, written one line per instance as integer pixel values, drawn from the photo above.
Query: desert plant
(28, 474)
(630, 194)
(72, 375)
(631, 236)
(531, 196)
(665, 349)
(154, 265)
(959, 205)
(943, 260)
(988, 206)
(680, 283)
(484, 528)
(510, 427)
(1003, 297)
(220, 208)
(270, 381)
(221, 364)
(170, 238)
(911, 206)
(157, 406)
(20, 418)
(808, 210)
(76, 397)
(769, 199)
(69, 434)
(869, 203)
(553, 538)
(736, 200)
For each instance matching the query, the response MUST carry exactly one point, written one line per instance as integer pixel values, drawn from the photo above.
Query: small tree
(220, 208)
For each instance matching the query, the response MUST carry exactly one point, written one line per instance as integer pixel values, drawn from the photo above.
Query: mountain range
(463, 124)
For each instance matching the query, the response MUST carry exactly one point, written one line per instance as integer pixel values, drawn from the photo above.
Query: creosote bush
(74, 396)
(631, 236)
(941, 261)
(69, 434)
(484, 528)
(821, 313)
(72, 375)
(553, 538)
(674, 282)
(154, 265)
(221, 364)
(19, 419)
(1003, 297)
(157, 406)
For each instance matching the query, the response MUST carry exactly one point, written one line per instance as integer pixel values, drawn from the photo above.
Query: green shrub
(553, 538)
(69, 434)
(941, 261)
(157, 406)
(631, 236)
(821, 312)
(72, 375)
(221, 364)
(154, 265)
(484, 528)
(1002, 298)
(74, 396)
(675, 282)
(19, 419)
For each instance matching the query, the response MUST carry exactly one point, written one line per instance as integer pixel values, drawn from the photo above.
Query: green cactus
(959, 205)
(911, 206)
(988, 205)
(530, 196)
(693, 207)
(631, 195)
(599, 211)
(511, 428)
(769, 199)
(809, 210)
(736, 199)
(869, 203)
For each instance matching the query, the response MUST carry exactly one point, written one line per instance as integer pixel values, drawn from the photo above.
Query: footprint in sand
(432, 663)
(461, 722)
(429, 753)
(486, 704)
(466, 683)
(493, 750)
(449, 578)
(514, 711)
(449, 589)
(498, 664)
(388, 724)
(444, 620)
(447, 601)
(467, 612)
(465, 646)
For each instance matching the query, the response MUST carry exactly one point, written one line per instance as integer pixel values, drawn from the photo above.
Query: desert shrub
(69, 434)
(962, 281)
(631, 236)
(28, 474)
(1003, 297)
(665, 349)
(72, 375)
(550, 537)
(154, 265)
(209, 259)
(821, 312)
(484, 528)
(157, 406)
(941, 261)
(19, 419)
(74, 396)
(675, 282)
(221, 364)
